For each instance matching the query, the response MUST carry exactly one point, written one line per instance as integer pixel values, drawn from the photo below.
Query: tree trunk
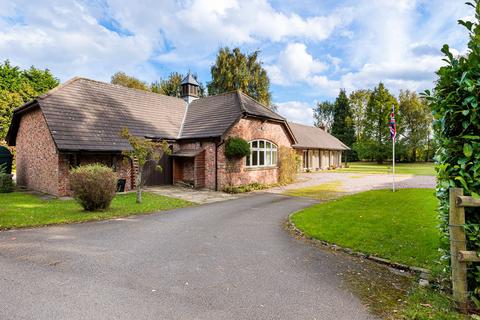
(414, 155)
(139, 185)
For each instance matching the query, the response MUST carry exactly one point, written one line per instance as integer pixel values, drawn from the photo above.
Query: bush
(93, 186)
(6, 183)
(454, 102)
(288, 162)
(236, 148)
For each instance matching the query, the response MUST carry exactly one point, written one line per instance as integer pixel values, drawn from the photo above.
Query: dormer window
(263, 154)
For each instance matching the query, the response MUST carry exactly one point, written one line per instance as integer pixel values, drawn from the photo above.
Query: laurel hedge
(455, 106)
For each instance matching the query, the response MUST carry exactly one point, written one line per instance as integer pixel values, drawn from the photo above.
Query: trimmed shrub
(6, 183)
(236, 148)
(455, 103)
(93, 186)
(288, 162)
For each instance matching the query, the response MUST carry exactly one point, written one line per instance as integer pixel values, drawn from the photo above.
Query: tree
(323, 115)
(122, 79)
(19, 86)
(416, 122)
(143, 150)
(375, 140)
(342, 126)
(234, 70)
(172, 86)
(358, 103)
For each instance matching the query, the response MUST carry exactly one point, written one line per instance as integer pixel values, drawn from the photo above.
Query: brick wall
(236, 173)
(41, 167)
(36, 154)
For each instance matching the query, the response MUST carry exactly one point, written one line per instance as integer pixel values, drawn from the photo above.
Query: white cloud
(391, 42)
(71, 37)
(296, 111)
(294, 64)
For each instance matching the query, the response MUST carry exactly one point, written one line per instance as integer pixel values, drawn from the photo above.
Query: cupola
(189, 88)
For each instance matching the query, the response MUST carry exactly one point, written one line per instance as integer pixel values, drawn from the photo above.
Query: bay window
(263, 154)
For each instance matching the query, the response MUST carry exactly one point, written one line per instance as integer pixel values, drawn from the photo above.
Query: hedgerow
(455, 105)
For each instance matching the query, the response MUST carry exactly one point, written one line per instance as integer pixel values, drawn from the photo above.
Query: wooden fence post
(458, 242)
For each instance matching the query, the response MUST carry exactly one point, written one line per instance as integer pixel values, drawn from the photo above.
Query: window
(264, 154)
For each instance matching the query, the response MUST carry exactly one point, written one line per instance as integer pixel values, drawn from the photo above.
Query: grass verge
(400, 226)
(20, 209)
(419, 168)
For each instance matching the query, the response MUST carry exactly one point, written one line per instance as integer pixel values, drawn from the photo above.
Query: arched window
(264, 154)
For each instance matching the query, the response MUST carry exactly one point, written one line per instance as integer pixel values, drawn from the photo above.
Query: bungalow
(79, 123)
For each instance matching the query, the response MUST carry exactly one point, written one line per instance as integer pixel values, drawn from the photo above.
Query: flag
(393, 124)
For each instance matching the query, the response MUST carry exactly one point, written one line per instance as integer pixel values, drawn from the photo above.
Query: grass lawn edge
(419, 271)
(186, 204)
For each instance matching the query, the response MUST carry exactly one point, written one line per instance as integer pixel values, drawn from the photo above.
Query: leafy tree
(358, 103)
(323, 115)
(342, 126)
(455, 104)
(234, 70)
(122, 79)
(375, 142)
(18, 87)
(143, 150)
(40, 80)
(172, 86)
(416, 122)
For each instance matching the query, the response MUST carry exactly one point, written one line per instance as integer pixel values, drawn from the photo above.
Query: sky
(310, 49)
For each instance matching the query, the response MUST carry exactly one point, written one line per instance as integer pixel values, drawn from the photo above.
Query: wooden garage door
(155, 177)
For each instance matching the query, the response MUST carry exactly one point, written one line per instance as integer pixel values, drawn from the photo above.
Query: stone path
(200, 196)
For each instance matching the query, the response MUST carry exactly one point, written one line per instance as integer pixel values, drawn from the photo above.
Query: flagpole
(393, 160)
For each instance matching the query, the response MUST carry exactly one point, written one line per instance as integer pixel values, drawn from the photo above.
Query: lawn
(400, 226)
(418, 168)
(20, 209)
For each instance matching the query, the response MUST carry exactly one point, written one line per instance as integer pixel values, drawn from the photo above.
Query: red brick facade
(36, 155)
(200, 170)
(41, 167)
(251, 129)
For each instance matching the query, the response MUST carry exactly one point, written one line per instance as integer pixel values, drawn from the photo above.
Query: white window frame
(272, 151)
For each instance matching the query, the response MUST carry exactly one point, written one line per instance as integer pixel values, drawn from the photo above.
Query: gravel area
(358, 182)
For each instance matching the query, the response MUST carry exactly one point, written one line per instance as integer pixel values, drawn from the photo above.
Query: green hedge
(455, 105)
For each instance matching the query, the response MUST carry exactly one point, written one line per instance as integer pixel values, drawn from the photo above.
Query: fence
(458, 245)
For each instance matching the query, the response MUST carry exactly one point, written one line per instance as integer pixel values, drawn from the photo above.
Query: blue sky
(310, 49)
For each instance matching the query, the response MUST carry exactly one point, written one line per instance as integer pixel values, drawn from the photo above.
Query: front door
(155, 177)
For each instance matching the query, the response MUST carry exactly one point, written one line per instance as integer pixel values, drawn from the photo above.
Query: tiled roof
(88, 115)
(211, 116)
(309, 137)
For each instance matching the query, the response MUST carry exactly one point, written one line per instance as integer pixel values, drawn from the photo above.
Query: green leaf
(467, 150)
(475, 195)
(462, 181)
(465, 112)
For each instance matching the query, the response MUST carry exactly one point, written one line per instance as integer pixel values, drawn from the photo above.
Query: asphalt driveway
(226, 260)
